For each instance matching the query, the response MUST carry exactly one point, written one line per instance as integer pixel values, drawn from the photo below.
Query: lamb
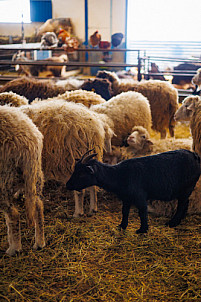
(125, 111)
(87, 98)
(164, 176)
(20, 165)
(68, 130)
(12, 99)
(163, 98)
(32, 88)
(139, 143)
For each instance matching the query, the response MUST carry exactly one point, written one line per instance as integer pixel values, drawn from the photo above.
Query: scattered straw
(88, 259)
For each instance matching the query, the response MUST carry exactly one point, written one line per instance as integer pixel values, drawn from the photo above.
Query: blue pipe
(86, 28)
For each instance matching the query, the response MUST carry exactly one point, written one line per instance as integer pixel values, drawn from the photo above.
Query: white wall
(107, 16)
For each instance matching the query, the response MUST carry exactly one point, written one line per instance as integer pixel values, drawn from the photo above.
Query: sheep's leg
(180, 212)
(125, 213)
(171, 130)
(39, 226)
(142, 210)
(93, 201)
(163, 134)
(13, 225)
(79, 203)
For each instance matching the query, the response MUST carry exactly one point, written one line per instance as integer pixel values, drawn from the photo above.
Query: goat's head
(84, 173)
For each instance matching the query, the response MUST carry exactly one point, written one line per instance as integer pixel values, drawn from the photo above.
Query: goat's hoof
(122, 227)
(141, 231)
(172, 224)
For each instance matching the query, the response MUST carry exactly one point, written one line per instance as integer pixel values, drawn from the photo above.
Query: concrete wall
(107, 16)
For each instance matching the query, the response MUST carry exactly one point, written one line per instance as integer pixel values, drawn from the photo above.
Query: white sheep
(197, 78)
(69, 130)
(163, 98)
(87, 98)
(20, 166)
(12, 99)
(125, 110)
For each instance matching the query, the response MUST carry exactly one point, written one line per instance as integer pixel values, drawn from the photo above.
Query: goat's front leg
(142, 209)
(13, 225)
(125, 213)
(79, 203)
(93, 201)
(39, 225)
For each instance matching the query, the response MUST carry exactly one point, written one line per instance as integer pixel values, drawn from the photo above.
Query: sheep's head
(139, 140)
(103, 87)
(197, 78)
(185, 112)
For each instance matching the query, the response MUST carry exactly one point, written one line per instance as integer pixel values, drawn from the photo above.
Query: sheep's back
(69, 130)
(126, 110)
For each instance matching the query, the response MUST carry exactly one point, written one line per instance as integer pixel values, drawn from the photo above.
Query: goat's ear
(90, 169)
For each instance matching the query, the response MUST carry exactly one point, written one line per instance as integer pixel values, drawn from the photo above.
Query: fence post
(139, 76)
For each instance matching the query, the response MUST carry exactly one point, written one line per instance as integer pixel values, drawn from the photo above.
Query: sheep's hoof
(91, 213)
(38, 247)
(77, 215)
(141, 231)
(12, 252)
(122, 227)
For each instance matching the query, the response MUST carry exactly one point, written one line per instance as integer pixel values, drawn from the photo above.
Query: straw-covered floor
(88, 259)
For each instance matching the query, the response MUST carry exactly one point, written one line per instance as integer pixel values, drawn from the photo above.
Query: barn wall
(99, 18)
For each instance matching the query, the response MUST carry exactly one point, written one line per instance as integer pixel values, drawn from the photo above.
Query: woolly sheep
(32, 88)
(68, 130)
(20, 165)
(87, 98)
(12, 99)
(191, 109)
(125, 111)
(163, 98)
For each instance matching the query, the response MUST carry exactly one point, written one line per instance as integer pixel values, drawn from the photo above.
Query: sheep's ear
(90, 169)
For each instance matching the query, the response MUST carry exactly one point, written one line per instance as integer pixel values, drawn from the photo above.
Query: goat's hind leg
(181, 211)
(13, 226)
(142, 210)
(125, 213)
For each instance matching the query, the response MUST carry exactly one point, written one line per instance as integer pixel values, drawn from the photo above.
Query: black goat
(164, 176)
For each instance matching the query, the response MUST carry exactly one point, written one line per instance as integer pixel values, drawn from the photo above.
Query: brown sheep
(69, 130)
(32, 88)
(162, 96)
(20, 166)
